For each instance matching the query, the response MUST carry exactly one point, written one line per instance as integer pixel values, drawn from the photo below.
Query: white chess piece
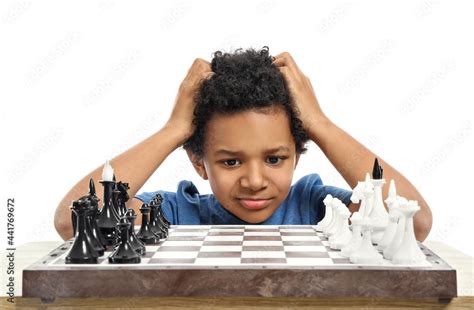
(354, 242)
(366, 253)
(331, 228)
(107, 172)
(389, 232)
(357, 195)
(343, 235)
(397, 239)
(378, 214)
(327, 215)
(368, 200)
(337, 226)
(341, 210)
(409, 252)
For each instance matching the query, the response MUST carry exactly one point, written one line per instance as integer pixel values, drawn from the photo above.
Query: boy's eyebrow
(269, 151)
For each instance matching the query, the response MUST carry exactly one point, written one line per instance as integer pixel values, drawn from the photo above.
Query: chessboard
(249, 260)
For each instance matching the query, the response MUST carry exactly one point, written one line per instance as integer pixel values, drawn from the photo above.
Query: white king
(107, 172)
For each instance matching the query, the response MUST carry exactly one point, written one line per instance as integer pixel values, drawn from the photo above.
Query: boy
(244, 120)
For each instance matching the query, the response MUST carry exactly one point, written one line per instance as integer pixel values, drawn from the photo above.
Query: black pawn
(124, 254)
(81, 252)
(108, 217)
(377, 171)
(137, 245)
(145, 234)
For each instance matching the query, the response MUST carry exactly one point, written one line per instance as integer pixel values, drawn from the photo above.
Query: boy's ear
(198, 164)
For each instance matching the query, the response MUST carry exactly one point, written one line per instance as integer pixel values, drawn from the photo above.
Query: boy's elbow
(62, 223)
(422, 232)
(423, 223)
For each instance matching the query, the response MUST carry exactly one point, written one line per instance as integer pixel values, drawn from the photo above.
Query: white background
(81, 82)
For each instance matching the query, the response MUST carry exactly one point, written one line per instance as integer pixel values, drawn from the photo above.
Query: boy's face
(249, 159)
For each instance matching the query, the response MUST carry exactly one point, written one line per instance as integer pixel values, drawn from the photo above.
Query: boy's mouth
(254, 204)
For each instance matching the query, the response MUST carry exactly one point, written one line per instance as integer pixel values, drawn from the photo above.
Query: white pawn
(343, 235)
(409, 253)
(398, 237)
(389, 232)
(354, 243)
(331, 228)
(327, 215)
(366, 253)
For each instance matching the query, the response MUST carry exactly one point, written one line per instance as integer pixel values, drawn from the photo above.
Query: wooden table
(29, 253)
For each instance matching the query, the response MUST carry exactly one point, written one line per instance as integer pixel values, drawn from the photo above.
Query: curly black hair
(243, 81)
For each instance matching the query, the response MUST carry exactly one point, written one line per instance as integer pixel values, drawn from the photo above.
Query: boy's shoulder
(312, 178)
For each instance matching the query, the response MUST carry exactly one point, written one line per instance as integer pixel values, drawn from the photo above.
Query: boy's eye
(230, 162)
(274, 160)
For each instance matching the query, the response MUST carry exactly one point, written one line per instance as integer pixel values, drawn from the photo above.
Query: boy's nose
(254, 178)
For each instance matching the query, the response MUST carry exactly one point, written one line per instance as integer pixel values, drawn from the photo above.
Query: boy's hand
(182, 115)
(301, 91)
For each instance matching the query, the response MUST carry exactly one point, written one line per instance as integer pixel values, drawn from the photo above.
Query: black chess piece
(123, 196)
(92, 193)
(115, 202)
(158, 225)
(155, 226)
(377, 171)
(94, 214)
(124, 253)
(108, 218)
(145, 234)
(161, 218)
(159, 200)
(137, 245)
(93, 240)
(81, 252)
(73, 221)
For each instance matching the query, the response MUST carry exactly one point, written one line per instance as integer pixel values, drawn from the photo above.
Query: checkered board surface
(237, 246)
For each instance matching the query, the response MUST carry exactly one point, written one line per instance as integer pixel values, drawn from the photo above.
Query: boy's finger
(208, 75)
(284, 54)
(279, 62)
(285, 60)
(286, 72)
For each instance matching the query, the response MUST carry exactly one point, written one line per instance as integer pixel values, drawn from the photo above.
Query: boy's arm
(134, 166)
(137, 164)
(351, 159)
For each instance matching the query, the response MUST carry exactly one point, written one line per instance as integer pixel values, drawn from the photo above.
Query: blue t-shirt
(303, 206)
